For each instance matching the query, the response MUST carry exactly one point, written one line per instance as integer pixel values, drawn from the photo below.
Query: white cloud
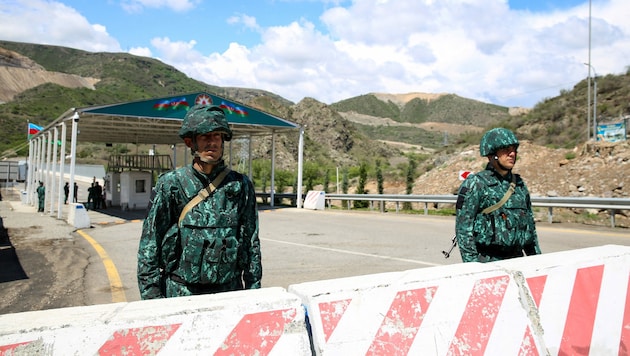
(50, 22)
(478, 49)
(135, 6)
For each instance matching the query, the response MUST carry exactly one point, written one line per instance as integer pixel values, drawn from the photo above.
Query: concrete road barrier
(266, 321)
(567, 303)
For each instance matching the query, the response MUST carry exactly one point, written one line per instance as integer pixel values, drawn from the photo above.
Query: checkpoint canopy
(157, 121)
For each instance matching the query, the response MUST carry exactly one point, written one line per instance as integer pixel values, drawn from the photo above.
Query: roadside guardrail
(612, 205)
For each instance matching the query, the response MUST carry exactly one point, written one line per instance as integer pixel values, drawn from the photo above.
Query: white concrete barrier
(315, 200)
(78, 216)
(266, 321)
(540, 305)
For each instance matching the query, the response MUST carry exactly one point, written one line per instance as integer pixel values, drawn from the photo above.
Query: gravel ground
(31, 248)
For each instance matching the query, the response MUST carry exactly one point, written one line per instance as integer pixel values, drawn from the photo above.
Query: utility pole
(588, 94)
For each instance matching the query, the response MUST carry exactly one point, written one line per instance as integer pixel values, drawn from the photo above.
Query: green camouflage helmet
(201, 119)
(495, 139)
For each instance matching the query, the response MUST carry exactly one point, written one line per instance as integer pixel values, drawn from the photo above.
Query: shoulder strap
(505, 198)
(203, 194)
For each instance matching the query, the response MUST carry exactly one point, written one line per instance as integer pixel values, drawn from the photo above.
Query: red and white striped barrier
(568, 303)
(266, 321)
(582, 298)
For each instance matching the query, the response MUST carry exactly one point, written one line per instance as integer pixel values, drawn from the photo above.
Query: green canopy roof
(158, 120)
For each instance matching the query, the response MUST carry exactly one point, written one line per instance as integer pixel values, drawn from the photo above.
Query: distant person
(41, 197)
(90, 200)
(201, 232)
(97, 195)
(494, 218)
(76, 193)
(66, 192)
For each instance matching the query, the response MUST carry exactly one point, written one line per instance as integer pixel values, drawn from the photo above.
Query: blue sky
(511, 53)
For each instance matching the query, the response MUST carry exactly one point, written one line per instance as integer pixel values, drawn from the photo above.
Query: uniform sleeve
(534, 247)
(154, 228)
(252, 263)
(468, 200)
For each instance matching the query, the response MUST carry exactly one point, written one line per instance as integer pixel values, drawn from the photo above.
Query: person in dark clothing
(98, 195)
(76, 193)
(66, 192)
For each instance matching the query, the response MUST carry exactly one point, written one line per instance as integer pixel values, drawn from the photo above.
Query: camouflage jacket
(510, 228)
(218, 238)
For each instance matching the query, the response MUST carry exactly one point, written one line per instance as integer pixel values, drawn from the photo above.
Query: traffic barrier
(539, 305)
(266, 321)
(78, 216)
(566, 303)
(582, 298)
(315, 200)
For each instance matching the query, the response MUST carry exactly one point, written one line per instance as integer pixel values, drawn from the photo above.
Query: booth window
(140, 186)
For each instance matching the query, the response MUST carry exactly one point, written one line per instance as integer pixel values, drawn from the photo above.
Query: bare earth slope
(19, 73)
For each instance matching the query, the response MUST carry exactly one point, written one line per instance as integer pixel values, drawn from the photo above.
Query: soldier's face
(507, 156)
(210, 146)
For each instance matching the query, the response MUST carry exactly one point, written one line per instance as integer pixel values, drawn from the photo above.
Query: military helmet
(201, 119)
(496, 139)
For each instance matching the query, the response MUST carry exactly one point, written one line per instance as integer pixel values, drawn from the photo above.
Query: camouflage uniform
(215, 249)
(504, 233)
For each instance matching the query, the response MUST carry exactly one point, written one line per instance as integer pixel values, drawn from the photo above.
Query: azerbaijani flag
(33, 129)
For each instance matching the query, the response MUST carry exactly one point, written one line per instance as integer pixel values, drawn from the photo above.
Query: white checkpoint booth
(135, 190)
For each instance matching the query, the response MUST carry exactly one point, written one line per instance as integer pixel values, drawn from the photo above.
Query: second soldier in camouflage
(506, 229)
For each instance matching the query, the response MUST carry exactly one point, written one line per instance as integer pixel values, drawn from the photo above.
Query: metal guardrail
(611, 204)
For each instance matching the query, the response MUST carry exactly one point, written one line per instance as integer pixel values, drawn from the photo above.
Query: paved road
(301, 245)
(49, 265)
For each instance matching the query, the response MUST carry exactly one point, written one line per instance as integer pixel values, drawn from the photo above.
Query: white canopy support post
(48, 181)
(174, 148)
(250, 172)
(40, 161)
(62, 167)
(56, 176)
(300, 167)
(273, 168)
(40, 165)
(29, 171)
(73, 148)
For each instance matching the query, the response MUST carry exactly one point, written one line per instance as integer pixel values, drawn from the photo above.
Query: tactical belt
(202, 287)
(500, 251)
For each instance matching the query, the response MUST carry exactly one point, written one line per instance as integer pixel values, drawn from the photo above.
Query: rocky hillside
(591, 170)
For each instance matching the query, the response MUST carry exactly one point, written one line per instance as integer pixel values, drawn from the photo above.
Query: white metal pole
(29, 171)
(300, 167)
(588, 94)
(73, 148)
(62, 165)
(48, 182)
(595, 105)
(56, 176)
(273, 167)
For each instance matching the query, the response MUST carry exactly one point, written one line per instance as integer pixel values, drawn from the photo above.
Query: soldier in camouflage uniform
(215, 246)
(503, 232)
